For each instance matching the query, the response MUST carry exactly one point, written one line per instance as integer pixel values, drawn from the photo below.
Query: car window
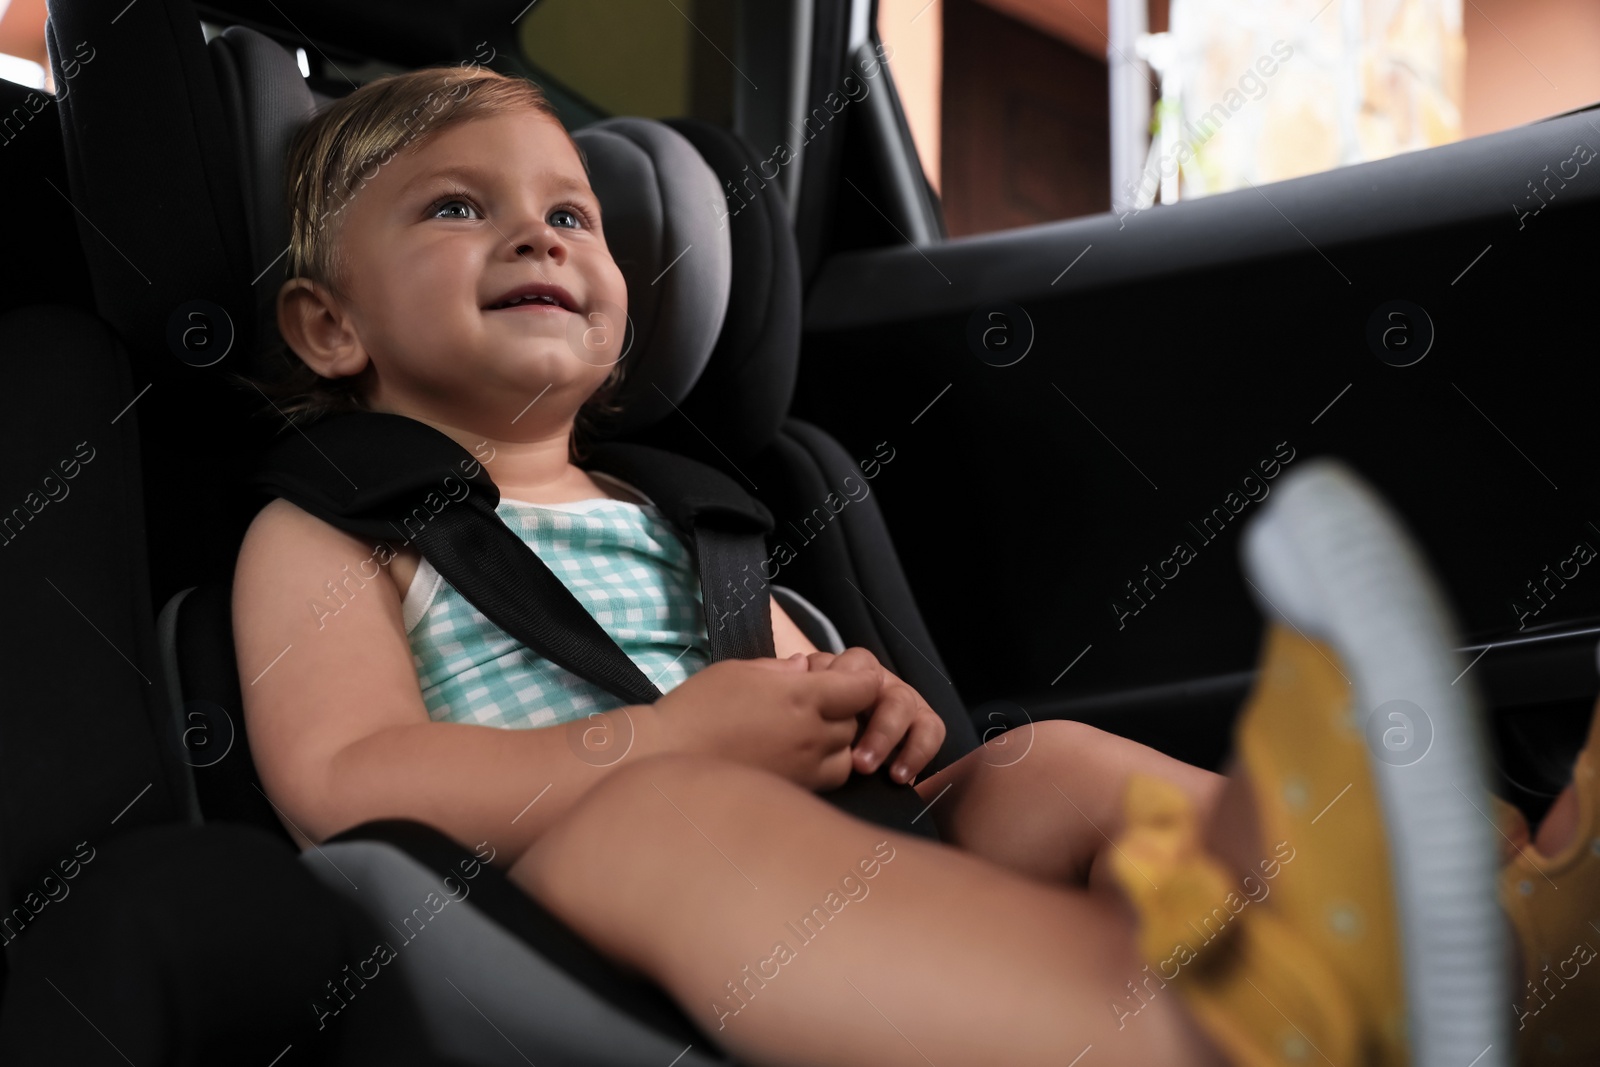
(659, 59)
(1018, 118)
(23, 58)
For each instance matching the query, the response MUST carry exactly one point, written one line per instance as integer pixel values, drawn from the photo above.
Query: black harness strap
(387, 476)
(729, 538)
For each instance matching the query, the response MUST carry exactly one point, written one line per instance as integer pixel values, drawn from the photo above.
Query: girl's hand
(900, 714)
(799, 727)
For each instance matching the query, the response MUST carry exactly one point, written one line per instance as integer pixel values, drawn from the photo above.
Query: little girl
(399, 273)
(448, 264)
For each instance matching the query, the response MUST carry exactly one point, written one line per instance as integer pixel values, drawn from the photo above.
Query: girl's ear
(316, 327)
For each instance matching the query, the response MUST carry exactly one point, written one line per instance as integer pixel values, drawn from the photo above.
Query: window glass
(23, 58)
(1011, 108)
(637, 57)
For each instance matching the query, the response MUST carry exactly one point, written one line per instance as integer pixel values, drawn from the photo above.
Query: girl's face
(446, 230)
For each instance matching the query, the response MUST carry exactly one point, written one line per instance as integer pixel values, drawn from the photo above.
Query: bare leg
(1045, 799)
(1559, 823)
(895, 950)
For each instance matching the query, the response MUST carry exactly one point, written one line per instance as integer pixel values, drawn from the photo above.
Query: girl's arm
(337, 724)
(788, 638)
(336, 720)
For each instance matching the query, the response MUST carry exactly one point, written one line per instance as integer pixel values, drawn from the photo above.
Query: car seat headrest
(661, 210)
(659, 200)
(265, 101)
(747, 390)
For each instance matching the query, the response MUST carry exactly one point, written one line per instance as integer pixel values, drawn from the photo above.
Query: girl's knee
(1043, 758)
(1068, 747)
(1071, 735)
(1045, 746)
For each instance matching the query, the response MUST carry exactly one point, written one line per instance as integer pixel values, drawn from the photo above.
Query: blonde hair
(332, 157)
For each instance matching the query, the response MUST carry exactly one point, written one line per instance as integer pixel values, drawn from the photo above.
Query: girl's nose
(540, 241)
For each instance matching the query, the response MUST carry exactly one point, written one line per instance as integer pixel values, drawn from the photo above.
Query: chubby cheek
(425, 304)
(616, 285)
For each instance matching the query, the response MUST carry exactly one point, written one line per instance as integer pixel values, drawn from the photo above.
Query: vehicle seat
(108, 880)
(231, 107)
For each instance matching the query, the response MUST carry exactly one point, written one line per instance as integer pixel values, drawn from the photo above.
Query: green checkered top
(625, 565)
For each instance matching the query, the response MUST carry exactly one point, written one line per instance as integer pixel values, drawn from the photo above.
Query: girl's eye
(451, 202)
(572, 217)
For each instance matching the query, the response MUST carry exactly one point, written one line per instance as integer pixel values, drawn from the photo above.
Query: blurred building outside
(1019, 117)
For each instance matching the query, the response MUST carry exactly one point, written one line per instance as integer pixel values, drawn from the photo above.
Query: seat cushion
(498, 979)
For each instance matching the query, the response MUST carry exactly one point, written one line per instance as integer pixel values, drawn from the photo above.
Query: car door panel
(1184, 357)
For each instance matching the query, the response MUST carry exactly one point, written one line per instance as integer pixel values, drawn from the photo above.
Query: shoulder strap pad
(369, 472)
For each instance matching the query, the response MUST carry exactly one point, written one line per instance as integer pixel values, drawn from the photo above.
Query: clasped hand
(899, 715)
(831, 715)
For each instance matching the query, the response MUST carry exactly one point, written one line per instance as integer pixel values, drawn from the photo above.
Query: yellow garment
(1308, 966)
(1554, 904)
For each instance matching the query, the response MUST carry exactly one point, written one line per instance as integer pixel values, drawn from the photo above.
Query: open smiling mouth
(537, 297)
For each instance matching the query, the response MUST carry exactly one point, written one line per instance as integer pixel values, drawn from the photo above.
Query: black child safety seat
(390, 478)
(196, 201)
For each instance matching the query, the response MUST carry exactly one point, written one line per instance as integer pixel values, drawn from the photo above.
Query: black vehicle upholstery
(43, 268)
(81, 756)
(128, 929)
